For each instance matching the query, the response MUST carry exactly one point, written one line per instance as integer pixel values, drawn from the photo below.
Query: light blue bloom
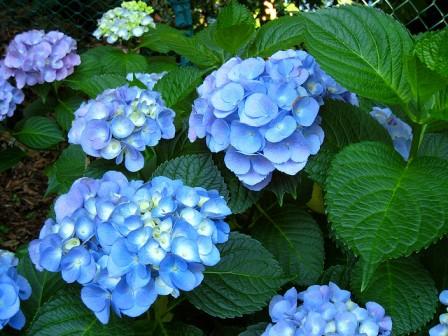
(126, 242)
(399, 131)
(264, 114)
(13, 289)
(10, 96)
(120, 123)
(442, 328)
(325, 310)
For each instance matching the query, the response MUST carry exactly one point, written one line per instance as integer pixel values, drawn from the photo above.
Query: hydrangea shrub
(310, 153)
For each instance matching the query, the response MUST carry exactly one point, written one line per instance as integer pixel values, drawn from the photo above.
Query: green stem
(418, 135)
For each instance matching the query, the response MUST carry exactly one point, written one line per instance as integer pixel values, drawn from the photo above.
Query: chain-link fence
(78, 18)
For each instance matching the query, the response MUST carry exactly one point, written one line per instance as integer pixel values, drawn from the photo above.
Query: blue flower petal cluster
(10, 96)
(325, 310)
(264, 114)
(126, 242)
(13, 289)
(399, 131)
(120, 123)
(35, 57)
(149, 79)
(132, 19)
(442, 328)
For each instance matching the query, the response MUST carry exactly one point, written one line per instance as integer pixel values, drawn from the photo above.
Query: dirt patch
(23, 207)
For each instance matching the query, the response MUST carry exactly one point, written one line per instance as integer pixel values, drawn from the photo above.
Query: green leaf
(432, 50)
(43, 284)
(434, 144)
(165, 38)
(235, 27)
(240, 198)
(195, 171)
(95, 84)
(9, 157)
(68, 167)
(281, 34)
(64, 111)
(296, 185)
(161, 63)
(343, 124)
(255, 330)
(295, 240)
(65, 314)
(382, 207)
(406, 291)
(339, 274)
(244, 280)
(39, 133)
(363, 49)
(179, 84)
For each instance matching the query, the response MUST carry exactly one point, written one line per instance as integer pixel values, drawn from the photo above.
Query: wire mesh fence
(78, 18)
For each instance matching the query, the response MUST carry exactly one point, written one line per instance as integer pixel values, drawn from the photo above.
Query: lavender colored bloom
(131, 19)
(13, 289)
(120, 123)
(35, 57)
(126, 242)
(399, 131)
(442, 328)
(264, 114)
(10, 96)
(325, 310)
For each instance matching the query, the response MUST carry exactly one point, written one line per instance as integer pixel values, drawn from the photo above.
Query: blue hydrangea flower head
(35, 57)
(132, 19)
(399, 131)
(264, 114)
(10, 96)
(126, 242)
(442, 328)
(120, 123)
(325, 310)
(13, 289)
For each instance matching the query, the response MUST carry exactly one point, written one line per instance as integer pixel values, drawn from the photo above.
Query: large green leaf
(241, 283)
(281, 34)
(339, 274)
(95, 84)
(432, 49)
(195, 171)
(9, 157)
(295, 240)
(65, 314)
(179, 84)
(43, 284)
(64, 111)
(434, 144)
(406, 291)
(363, 49)
(383, 207)
(165, 38)
(343, 124)
(297, 186)
(235, 26)
(68, 167)
(39, 133)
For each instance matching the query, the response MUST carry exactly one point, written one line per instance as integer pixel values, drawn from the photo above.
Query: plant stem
(419, 133)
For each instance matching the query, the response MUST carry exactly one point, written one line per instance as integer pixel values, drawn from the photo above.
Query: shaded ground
(23, 208)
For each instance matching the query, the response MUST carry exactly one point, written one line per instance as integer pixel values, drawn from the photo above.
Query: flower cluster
(132, 19)
(10, 96)
(120, 123)
(442, 328)
(399, 131)
(35, 57)
(13, 289)
(149, 79)
(264, 114)
(325, 310)
(127, 242)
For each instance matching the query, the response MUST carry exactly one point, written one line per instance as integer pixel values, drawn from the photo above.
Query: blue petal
(95, 297)
(281, 129)
(133, 159)
(258, 110)
(185, 249)
(121, 127)
(228, 97)
(305, 110)
(245, 139)
(237, 162)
